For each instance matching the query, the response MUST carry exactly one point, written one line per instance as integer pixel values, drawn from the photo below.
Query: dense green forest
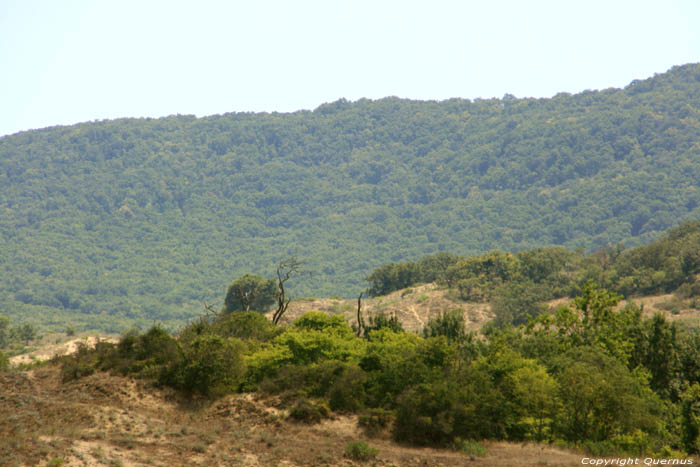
(112, 224)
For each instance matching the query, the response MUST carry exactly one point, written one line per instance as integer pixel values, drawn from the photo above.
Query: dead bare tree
(285, 270)
(210, 309)
(360, 321)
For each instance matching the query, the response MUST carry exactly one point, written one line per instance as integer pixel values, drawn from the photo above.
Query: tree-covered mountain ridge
(128, 221)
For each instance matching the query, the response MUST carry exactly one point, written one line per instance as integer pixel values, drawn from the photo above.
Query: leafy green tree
(537, 394)
(516, 303)
(600, 397)
(4, 331)
(449, 324)
(690, 421)
(250, 292)
(26, 332)
(591, 320)
(379, 321)
(394, 276)
(661, 357)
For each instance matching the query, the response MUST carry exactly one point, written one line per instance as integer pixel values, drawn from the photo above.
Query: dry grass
(47, 350)
(414, 307)
(114, 421)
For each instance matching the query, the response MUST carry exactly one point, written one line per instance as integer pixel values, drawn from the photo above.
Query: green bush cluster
(360, 451)
(16, 337)
(4, 361)
(517, 284)
(306, 411)
(605, 379)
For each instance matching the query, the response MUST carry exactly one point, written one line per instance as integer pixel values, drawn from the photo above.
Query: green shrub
(81, 363)
(306, 411)
(449, 324)
(517, 302)
(4, 361)
(318, 321)
(381, 321)
(340, 382)
(245, 325)
(288, 378)
(146, 355)
(347, 394)
(315, 338)
(374, 421)
(212, 366)
(688, 290)
(360, 451)
(470, 447)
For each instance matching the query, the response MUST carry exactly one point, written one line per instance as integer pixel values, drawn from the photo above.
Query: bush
(381, 321)
(395, 276)
(360, 451)
(288, 378)
(212, 366)
(306, 411)
(81, 363)
(470, 447)
(449, 324)
(426, 415)
(374, 421)
(341, 383)
(4, 361)
(348, 392)
(245, 325)
(148, 355)
(516, 303)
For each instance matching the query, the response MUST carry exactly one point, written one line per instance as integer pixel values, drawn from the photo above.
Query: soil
(107, 420)
(414, 307)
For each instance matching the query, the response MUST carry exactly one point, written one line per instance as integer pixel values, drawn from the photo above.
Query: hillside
(111, 420)
(413, 307)
(111, 224)
(237, 390)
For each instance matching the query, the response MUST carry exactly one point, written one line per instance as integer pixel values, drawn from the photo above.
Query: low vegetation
(591, 375)
(517, 284)
(605, 380)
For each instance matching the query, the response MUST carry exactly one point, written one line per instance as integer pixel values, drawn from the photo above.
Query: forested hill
(128, 221)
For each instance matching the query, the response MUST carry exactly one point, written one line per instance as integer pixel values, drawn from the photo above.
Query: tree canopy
(116, 223)
(250, 293)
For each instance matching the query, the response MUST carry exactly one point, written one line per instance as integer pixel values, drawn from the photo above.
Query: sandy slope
(111, 420)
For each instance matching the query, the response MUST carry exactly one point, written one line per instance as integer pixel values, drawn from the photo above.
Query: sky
(71, 61)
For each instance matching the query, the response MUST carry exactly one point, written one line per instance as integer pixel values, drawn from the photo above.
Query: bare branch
(360, 321)
(210, 309)
(285, 270)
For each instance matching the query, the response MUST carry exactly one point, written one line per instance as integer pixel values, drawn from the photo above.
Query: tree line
(517, 284)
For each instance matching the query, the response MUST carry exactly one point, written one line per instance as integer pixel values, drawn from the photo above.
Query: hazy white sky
(69, 61)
